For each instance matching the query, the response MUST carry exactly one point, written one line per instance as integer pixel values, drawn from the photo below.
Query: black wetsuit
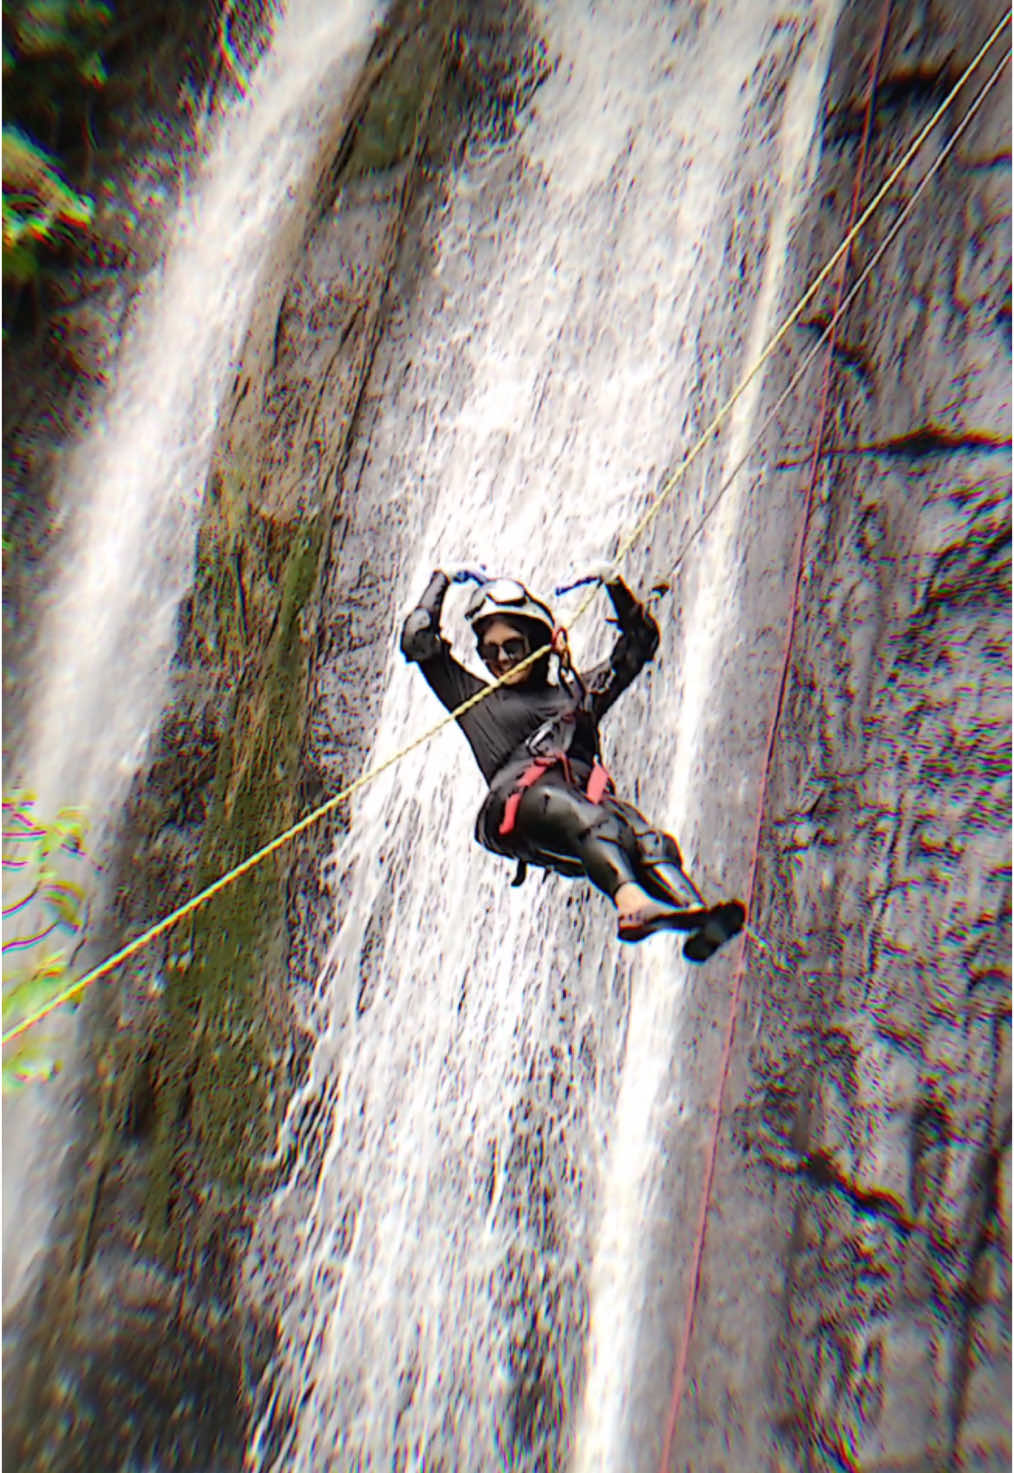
(556, 825)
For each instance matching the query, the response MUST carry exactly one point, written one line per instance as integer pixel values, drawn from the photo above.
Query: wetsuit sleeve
(636, 645)
(424, 645)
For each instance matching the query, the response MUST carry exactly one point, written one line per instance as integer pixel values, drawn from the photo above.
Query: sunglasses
(511, 651)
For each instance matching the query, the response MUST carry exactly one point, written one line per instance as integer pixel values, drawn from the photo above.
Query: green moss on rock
(222, 1070)
(388, 125)
(225, 1054)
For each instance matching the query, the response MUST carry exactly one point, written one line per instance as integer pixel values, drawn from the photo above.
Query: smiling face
(501, 646)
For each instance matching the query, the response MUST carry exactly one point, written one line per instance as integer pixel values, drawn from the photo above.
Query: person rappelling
(551, 802)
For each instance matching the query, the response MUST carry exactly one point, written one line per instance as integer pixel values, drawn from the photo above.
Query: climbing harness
(528, 778)
(599, 783)
(73, 992)
(550, 743)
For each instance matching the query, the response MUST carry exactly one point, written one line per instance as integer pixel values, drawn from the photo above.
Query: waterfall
(133, 486)
(458, 1258)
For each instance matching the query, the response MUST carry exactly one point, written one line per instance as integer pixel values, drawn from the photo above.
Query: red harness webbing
(599, 783)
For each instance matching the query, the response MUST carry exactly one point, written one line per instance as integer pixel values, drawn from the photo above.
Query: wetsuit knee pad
(654, 846)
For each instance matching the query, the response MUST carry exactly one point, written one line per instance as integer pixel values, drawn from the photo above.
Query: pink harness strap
(599, 782)
(529, 776)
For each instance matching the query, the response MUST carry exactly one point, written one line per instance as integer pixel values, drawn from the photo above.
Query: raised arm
(636, 645)
(425, 646)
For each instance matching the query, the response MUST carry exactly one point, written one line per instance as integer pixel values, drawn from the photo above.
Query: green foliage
(51, 66)
(224, 1079)
(36, 203)
(49, 42)
(45, 915)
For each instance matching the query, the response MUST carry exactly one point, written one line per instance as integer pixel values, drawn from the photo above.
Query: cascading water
(133, 486)
(458, 1260)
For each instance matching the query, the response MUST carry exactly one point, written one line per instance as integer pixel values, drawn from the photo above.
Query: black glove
(420, 633)
(635, 621)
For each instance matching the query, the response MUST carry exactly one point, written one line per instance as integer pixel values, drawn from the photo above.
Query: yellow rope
(73, 992)
(677, 475)
(853, 292)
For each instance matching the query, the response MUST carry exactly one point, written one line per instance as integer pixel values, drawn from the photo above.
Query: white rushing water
(134, 485)
(456, 1260)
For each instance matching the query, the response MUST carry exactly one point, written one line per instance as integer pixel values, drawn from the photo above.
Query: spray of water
(101, 662)
(454, 1258)
(650, 1098)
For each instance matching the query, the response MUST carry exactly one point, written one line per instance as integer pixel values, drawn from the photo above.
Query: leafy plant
(51, 43)
(36, 202)
(51, 65)
(45, 914)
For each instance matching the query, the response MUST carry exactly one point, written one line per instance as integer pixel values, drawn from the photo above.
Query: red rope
(679, 1376)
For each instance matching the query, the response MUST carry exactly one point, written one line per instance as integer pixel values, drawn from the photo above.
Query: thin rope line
(700, 1236)
(70, 993)
(853, 292)
(846, 245)
(766, 944)
(196, 901)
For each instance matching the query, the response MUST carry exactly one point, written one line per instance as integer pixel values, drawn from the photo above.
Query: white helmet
(507, 597)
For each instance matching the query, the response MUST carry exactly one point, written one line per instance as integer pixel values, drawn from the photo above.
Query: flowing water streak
(621, 1272)
(428, 1258)
(101, 661)
(138, 478)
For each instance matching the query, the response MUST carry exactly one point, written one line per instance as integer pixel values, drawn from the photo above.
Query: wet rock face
(134, 1340)
(877, 1092)
(855, 1304)
(144, 1400)
(272, 712)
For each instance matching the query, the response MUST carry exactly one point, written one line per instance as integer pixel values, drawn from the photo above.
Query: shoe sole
(723, 923)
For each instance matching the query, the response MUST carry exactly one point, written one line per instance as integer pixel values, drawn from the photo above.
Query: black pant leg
(555, 819)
